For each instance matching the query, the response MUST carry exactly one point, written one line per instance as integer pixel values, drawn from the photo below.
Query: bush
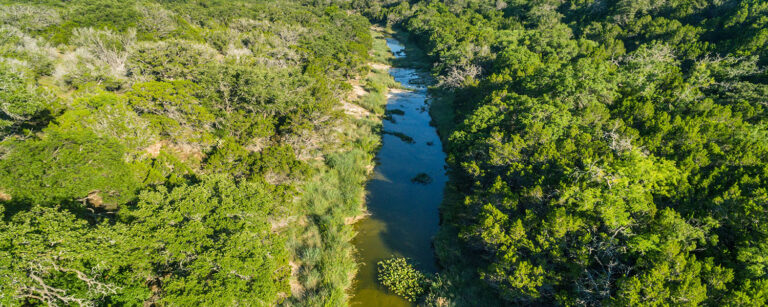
(81, 69)
(171, 59)
(67, 165)
(108, 115)
(111, 14)
(402, 278)
(109, 48)
(28, 17)
(172, 109)
(20, 102)
(33, 53)
(157, 22)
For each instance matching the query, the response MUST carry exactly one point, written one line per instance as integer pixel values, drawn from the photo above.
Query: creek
(405, 191)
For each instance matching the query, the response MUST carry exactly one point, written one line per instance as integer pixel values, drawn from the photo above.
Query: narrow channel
(404, 212)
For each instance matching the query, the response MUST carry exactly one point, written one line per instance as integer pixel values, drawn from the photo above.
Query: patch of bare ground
(358, 90)
(281, 223)
(378, 29)
(188, 151)
(354, 110)
(354, 219)
(154, 149)
(302, 221)
(4, 196)
(393, 91)
(380, 66)
(297, 290)
(183, 151)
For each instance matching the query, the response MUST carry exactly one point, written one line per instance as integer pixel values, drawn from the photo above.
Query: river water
(404, 213)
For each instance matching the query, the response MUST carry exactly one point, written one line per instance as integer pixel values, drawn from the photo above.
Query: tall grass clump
(380, 50)
(377, 84)
(332, 198)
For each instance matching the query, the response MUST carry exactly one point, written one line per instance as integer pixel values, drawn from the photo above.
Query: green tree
(209, 243)
(21, 103)
(66, 166)
(49, 256)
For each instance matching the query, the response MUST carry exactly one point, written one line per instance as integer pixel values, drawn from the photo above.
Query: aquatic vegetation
(402, 278)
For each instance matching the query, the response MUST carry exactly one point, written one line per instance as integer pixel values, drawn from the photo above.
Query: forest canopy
(164, 152)
(601, 152)
(607, 152)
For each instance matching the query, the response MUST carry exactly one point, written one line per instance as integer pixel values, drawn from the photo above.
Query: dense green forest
(604, 152)
(180, 152)
(189, 152)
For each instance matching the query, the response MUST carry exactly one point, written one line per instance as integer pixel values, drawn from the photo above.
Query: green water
(404, 214)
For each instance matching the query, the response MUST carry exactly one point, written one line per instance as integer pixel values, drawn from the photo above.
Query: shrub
(28, 17)
(157, 22)
(172, 59)
(172, 109)
(402, 278)
(216, 232)
(107, 47)
(80, 68)
(108, 115)
(32, 52)
(19, 101)
(67, 165)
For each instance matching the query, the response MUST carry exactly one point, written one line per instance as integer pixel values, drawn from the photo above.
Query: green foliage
(29, 17)
(65, 166)
(111, 14)
(49, 256)
(108, 115)
(170, 59)
(164, 152)
(30, 52)
(172, 109)
(206, 244)
(401, 278)
(231, 158)
(216, 233)
(21, 103)
(606, 153)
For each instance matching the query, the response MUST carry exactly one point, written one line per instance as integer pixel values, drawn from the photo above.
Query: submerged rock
(422, 178)
(401, 136)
